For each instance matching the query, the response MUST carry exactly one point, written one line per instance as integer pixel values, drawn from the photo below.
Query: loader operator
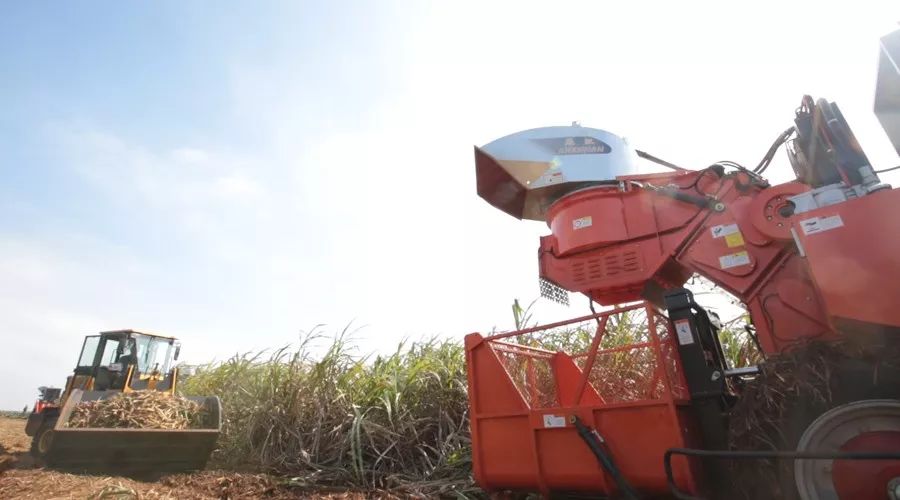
(115, 375)
(128, 358)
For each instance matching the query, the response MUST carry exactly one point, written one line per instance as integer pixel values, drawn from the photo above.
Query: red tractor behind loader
(815, 261)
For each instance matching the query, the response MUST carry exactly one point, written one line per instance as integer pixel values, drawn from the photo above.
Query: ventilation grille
(607, 265)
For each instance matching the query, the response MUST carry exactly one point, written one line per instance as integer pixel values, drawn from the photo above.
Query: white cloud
(237, 187)
(136, 173)
(189, 155)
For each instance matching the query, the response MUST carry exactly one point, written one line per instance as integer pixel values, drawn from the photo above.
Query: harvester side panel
(852, 249)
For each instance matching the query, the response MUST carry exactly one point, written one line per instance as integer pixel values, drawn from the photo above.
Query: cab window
(110, 352)
(89, 351)
(153, 353)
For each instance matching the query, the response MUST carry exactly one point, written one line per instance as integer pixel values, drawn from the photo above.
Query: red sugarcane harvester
(815, 261)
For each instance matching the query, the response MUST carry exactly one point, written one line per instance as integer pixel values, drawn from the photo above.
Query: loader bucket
(132, 451)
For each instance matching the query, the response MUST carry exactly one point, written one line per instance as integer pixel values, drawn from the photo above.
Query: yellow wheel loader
(110, 363)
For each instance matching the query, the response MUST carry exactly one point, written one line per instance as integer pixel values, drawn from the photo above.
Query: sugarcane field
(494, 249)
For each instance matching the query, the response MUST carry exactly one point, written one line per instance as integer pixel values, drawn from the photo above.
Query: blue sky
(234, 173)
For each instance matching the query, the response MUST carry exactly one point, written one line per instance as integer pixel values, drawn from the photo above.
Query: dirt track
(19, 478)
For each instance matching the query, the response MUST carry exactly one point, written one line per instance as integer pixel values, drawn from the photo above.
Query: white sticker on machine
(683, 330)
(723, 230)
(734, 260)
(820, 224)
(554, 421)
(582, 222)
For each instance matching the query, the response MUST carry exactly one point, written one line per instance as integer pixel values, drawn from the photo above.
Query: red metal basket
(523, 401)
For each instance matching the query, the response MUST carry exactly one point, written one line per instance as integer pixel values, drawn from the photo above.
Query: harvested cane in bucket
(139, 410)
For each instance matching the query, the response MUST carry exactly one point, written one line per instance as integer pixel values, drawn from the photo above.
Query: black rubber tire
(41, 442)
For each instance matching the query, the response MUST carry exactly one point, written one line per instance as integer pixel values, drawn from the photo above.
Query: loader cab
(124, 360)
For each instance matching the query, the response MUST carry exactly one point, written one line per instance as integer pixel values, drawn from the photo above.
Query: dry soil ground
(20, 478)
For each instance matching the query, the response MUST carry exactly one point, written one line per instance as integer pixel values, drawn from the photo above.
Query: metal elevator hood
(522, 174)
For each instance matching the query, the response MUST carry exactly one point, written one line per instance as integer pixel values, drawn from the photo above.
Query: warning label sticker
(734, 240)
(582, 222)
(724, 230)
(683, 330)
(554, 421)
(734, 260)
(821, 224)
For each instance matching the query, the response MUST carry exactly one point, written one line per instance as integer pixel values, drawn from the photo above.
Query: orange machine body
(814, 259)
(619, 244)
(815, 275)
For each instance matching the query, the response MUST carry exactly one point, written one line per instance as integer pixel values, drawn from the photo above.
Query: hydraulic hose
(605, 460)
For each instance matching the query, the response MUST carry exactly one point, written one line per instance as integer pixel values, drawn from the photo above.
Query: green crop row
(379, 422)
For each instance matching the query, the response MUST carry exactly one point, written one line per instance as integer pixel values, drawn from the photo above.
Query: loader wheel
(863, 415)
(42, 442)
